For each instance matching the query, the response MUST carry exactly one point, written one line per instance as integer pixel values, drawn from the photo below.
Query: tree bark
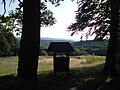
(109, 67)
(30, 41)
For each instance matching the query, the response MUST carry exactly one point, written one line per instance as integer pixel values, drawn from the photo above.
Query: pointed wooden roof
(60, 47)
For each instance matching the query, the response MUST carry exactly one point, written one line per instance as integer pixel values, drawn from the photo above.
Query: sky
(64, 14)
(9, 6)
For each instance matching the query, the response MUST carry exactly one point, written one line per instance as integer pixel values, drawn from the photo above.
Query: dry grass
(8, 65)
(46, 63)
(84, 75)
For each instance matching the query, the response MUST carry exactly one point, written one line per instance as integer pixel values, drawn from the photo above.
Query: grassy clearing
(46, 63)
(81, 72)
(8, 65)
(84, 73)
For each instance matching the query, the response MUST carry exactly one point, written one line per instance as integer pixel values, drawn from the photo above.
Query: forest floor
(85, 74)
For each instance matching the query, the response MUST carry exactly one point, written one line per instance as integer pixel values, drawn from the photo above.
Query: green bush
(43, 53)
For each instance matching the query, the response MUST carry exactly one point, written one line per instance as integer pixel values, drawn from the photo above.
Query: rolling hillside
(46, 41)
(91, 47)
(81, 47)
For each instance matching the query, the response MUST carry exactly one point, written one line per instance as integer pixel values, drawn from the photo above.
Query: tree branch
(4, 2)
(20, 2)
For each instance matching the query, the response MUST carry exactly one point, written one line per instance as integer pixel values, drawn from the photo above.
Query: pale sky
(64, 14)
(9, 6)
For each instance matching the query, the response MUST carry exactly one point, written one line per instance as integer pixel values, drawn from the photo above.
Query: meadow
(85, 73)
(8, 65)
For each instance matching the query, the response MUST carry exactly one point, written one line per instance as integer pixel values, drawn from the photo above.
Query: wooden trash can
(61, 64)
(60, 51)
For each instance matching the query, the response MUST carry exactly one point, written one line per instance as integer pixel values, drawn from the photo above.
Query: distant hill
(81, 48)
(46, 41)
(91, 47)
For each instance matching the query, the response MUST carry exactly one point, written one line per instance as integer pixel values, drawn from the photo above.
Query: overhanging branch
(4, 2)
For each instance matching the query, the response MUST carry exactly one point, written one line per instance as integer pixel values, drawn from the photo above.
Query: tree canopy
(8, 43)
(13, 21)
(101, 17)
(94, 15)
(47, 18)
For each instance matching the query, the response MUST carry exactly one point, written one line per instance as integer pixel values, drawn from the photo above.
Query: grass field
(8, 65)
(84, 74)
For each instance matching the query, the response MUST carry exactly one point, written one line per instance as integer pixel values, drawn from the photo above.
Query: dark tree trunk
(30, 40)
(109, 67)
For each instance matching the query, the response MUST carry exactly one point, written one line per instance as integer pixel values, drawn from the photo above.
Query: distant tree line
(91, 47)
(88, 47)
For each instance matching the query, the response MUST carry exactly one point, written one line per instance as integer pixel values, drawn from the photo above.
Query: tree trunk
(109, 67)
(30, 41)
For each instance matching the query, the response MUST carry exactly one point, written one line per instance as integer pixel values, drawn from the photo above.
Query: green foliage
(16, 16)
(47, 18)
(91, 47)
(8, 43)
(55, 2)
(4, 46)
(43, 51)
(94, 15)
(13, 23)
(79, 51)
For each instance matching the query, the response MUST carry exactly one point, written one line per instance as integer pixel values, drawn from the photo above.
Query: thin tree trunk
(109, 67)
(30, 41)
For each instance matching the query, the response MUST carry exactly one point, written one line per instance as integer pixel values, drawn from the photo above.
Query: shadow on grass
(11, 82)
(85, 78)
